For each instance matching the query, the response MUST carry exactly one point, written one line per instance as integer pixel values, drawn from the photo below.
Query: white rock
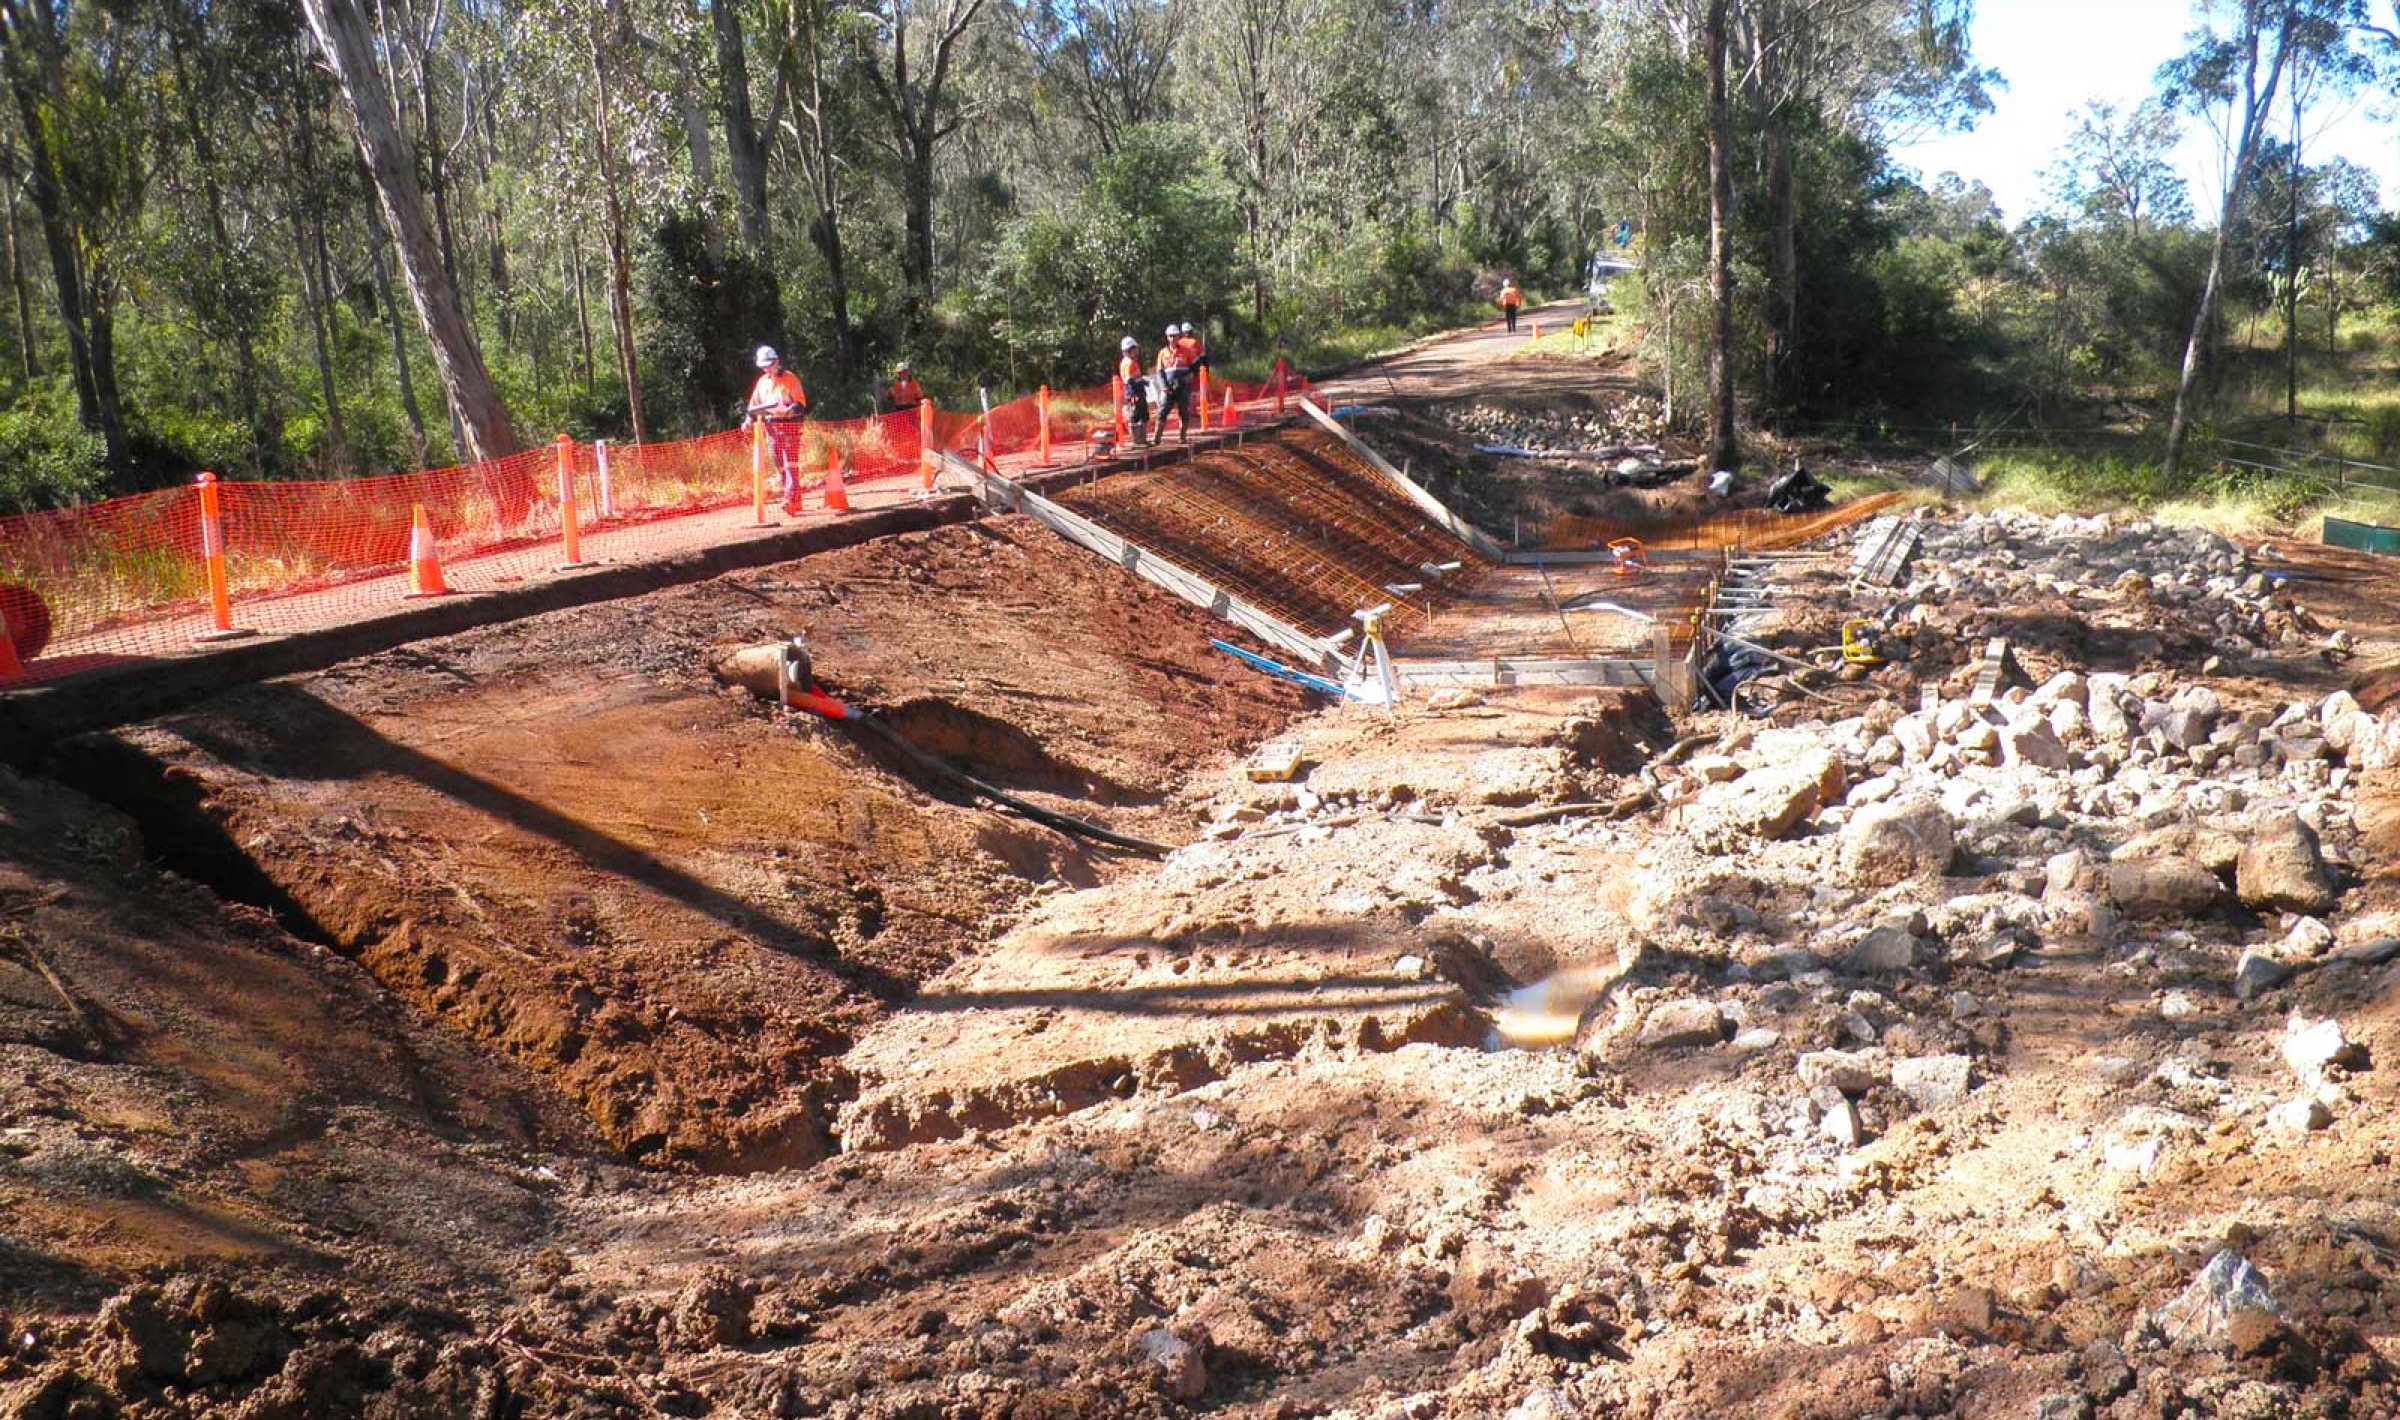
(2309, 938)
(1932, 1082)
(1178, 1362)
(2299, 1116)
(1851, 1072)
(2312, 1047)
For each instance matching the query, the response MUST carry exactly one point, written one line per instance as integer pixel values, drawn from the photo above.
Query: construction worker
(1136, 388)
(1178, 377)
(906, 394)
(1510, 299)
(778, 401)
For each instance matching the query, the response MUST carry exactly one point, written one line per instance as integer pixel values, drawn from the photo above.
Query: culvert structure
(1290, 534)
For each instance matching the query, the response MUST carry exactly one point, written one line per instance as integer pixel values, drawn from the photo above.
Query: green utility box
(2362, 537)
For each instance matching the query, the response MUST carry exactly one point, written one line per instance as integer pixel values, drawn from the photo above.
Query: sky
(2059, 54)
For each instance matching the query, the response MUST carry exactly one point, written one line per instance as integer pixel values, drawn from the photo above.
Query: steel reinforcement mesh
(128, 578)
(1297, 526)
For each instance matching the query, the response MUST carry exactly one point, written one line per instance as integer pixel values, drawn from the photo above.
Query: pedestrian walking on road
(778, 402)
(1510, 299)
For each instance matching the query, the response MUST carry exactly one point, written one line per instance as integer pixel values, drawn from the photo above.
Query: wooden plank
(1483, 544)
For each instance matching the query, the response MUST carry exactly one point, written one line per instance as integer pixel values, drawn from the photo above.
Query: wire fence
(151, 574)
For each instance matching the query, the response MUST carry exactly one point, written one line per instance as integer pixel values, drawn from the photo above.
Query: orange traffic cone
(1232, 415)
(837, 498)
(424, 567)
(1537, 332)
(10, 666)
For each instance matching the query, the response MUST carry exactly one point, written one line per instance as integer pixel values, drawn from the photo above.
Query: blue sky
(2058, 54)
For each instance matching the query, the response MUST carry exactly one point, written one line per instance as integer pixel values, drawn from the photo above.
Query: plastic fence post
(568, 533)
(925, 452)
(212, 553)
(608, 497)
(1043, 397)
(1281, 377)
(1116, 394)
(983, 432)
(1204, 399)
(758, 473)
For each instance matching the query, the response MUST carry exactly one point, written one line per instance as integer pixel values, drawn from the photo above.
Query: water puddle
(1543, 1014)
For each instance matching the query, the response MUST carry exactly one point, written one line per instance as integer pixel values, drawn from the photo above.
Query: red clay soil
(182, 1081)
(564, 840)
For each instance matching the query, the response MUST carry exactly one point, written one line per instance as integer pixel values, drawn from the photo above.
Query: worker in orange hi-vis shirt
(1178, 373)
(778, 401)
(1135, 387)
(1510, 299)
(906, 394)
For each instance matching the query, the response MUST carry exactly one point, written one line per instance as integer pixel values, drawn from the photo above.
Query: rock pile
(1633, 419)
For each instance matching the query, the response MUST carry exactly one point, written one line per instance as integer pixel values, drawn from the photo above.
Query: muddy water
(1544, 1013)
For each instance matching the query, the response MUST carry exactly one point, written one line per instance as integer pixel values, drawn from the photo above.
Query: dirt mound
(561, 838)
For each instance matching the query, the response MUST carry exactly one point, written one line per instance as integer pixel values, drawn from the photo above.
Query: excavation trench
(676, 906)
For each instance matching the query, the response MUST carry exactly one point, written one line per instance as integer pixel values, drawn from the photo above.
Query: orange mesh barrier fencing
(129, 578)
(1746, 529)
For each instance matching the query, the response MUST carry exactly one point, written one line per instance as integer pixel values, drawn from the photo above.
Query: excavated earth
(524, 1024)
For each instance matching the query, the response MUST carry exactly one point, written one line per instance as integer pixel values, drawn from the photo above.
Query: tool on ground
(1368, 677)
(1629, 557)
(796, 686)
(1862, 641)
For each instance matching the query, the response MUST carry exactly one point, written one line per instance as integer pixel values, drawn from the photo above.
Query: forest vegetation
(286, 238)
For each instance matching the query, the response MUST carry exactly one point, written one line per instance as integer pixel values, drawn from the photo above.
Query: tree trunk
(1721, 450)
(26, 368)
(745, 154)
(620, 269)
(583, 304)
(474, 404)
(204, 160)
(820, 164)
(36, 76)
(391, 319)
(916, 258)
(316, 275)
(2291, 279)
(1783, 205)
(2256, 101)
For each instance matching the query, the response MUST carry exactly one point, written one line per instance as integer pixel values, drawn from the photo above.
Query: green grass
(1343, 346)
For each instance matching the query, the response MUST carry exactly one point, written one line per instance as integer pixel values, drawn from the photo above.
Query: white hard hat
(1172, 328)
(766, 356)
(901, 368)
(1129, 343)
(1187, 328)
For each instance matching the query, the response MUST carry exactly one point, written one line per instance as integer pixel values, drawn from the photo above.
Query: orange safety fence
(129, 578)
(1738, 529)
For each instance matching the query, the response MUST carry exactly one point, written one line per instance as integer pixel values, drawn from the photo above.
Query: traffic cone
(837, 498)
(1232, 415)
(424, 567)
(1537, 332)
(10, 666)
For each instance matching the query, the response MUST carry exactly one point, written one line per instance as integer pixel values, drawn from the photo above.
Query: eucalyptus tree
(74, 72)
(349, 53)
(2240, 56)
(912, 58)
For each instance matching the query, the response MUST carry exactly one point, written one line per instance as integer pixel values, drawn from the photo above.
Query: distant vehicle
(1601, 274)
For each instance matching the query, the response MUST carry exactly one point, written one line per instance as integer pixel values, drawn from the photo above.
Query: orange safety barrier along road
(147, 575)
